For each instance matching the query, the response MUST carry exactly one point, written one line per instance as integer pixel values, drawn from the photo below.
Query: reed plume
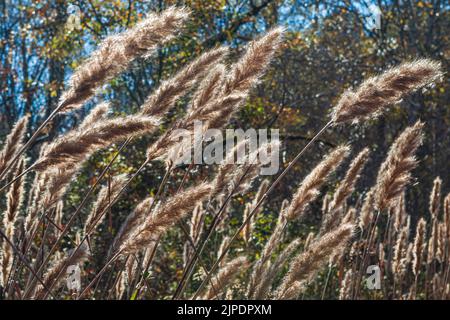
(447, 216)
(166, 215)
(394, 173)
(223, 245)
(248, 229)
(376, 93)
(14, 201)
(171, 137)
(260, 266)
(264, 283)
(399, 251)
(97, 114)
(227, 168)
(307, 264)
(133, 221)
(224, 277)
(293, 291)
(210, 88)
(441, 243)
(350, 216)
(195, 230)
(217, 112)
(309, 240)
(197, 220)
(54, 276)
(252, 65)
(309, 188)
(116, 52)
(433, 241)
(13, 143)
(39, 193)
(366, 214)
(399, 213)
(59, 212)
(344, 190)
(244, 174)
(346, 286)
(435, 197)
(170, 90)
(243, 76)
(75, 147)
(107, 194)
(347, 186)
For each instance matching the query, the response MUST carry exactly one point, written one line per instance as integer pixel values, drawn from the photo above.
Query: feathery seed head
(394, 173)
(376, 93)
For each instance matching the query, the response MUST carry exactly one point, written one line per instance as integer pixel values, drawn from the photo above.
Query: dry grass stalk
(345, 189)
(377, 93)
(350, 216)
(245, 73)
(224, 277)
(309, 240)
(59, 212)
(13, 143)
(435, 198)
(98, 113)
(419, 245)
(293, 291)
(309, 188)
(196, 224)
(441, 243)
(244, 174)
(252, 65)
(447, 214)
(394, 173)
(308, 263)
(195, 230)
(226, 169)
(39, 193)
(116, 53)
(54, 276)
(14, 201)
(171, 138)
(166, 215)
(225, 242)
(75, 147)
(367, 208)
(210, 88)
(217, 112)
(399, 213)
(260, 266)
(170, 90)
(269, 273)
(346, 286)
(133, 221)
(249, 207)
(399, 251)
(107, 194)
(433, 241)
(347, 186)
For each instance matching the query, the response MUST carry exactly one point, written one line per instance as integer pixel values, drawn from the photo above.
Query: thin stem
(31, 140)
(22, 258)
(101, 215)
(250, 215)
(80, 206)
(98, 275)
(191, 264)
(326, 282)
(16, 178)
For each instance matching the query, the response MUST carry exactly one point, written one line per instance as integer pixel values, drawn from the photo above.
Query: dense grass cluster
(40, 238)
